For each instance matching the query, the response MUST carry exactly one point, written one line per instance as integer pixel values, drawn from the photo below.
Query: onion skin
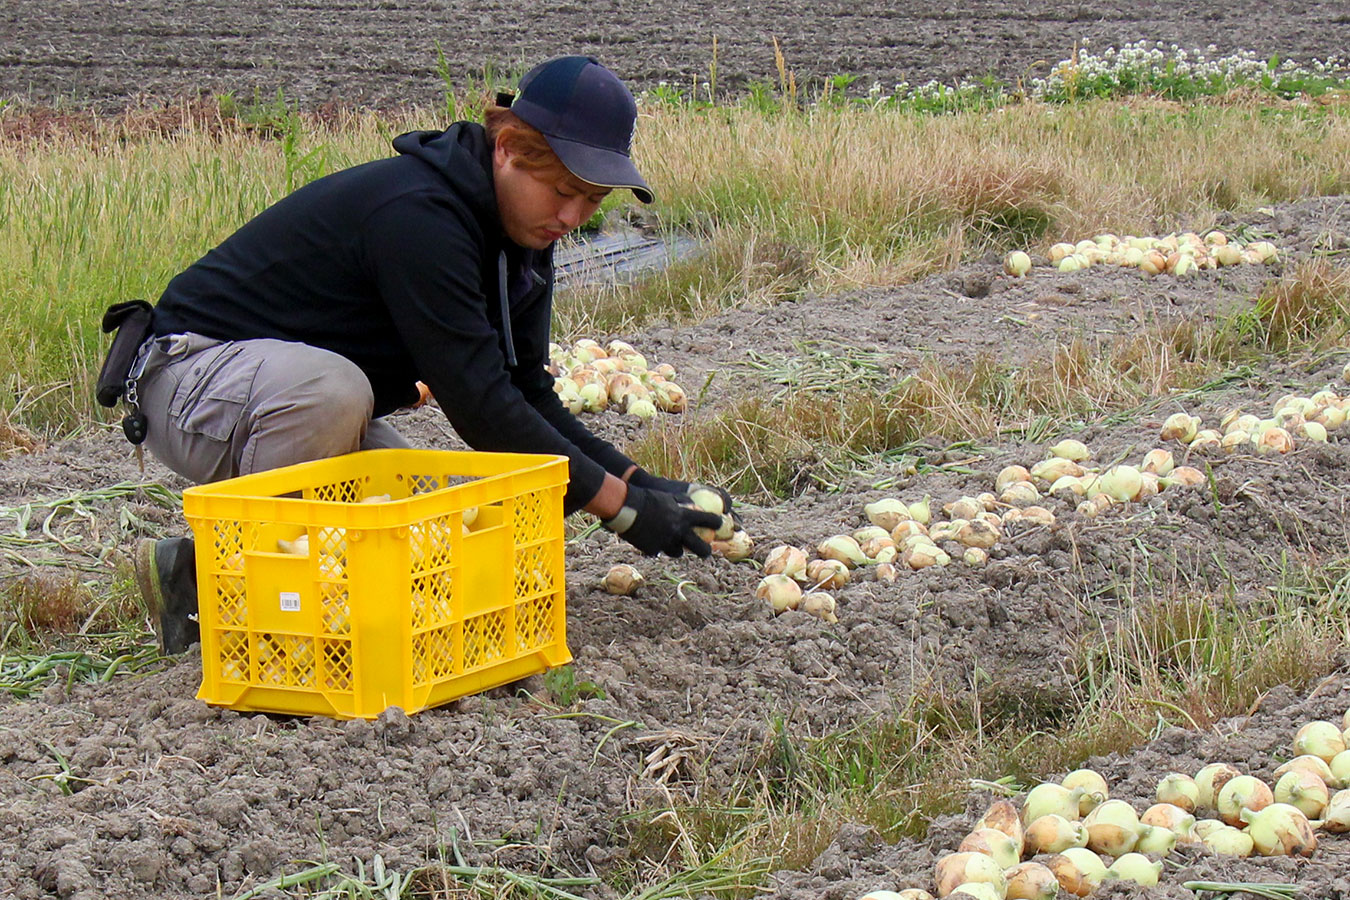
(1280, 830)
(1245, 792)
(1002, 815)
(1210, 780)
(955, 869)
(1031, 881)
(1178, 790)
(1337, 817)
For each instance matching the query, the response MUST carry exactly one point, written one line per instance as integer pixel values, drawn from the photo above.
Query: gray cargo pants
(217, 409)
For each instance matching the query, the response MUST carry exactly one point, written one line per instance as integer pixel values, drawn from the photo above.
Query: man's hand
(654, 522)
(681, 490)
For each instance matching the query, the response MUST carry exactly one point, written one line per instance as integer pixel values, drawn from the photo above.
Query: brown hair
(526, 143)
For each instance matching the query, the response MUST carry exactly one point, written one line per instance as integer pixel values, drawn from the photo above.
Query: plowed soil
(385, 53)
(169, 797)
(133, 788)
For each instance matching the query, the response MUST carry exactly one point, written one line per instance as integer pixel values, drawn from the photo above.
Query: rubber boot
(166, 573)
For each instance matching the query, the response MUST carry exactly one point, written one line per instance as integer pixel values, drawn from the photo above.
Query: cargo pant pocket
(211, 398)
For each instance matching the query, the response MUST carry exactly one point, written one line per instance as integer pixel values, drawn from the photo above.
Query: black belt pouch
(131, 319)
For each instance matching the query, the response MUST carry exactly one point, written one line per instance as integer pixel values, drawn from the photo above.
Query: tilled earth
(385, 53)
(167, 797)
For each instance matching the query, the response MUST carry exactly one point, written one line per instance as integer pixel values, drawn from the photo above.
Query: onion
(1171, 817)
(1038, 515)
(827, 573)
(1073, 484)
(1228, 255)
(1235, 440)
(1010, 474)
(867, 532)
(1051, 799)
(1136, 867)
(956, 869)
(1337, 817)
(1340, 770)
(594, 398)
(1239, 793)
(879, 549)
(622, 579)
(780, 591)
(914, 894)
(785, 560)
(1178, 790)
(1280, 830)
(843, 548)
(1228, 841)
(1155, 840)
(1158, 461)
(1122, 483)
(886, 513)
(707, 500)
(819, 604)
(988, 501)
(1185, 476)
(1019, 493)
(965, 508)
(1180, 427)
(1274, 440)
(1319, 738)
(1070, 449)
(886, 572)
(1309, 763)
(1078, 870)
(1113, 828)
(884, 895)
(670, 397)
(907, 529)
(1204, 826)
(735, 548)
(1048, 471)
(1002, 816)
(1210, 779)
(974, 556)
(993, 843)
(1062, 249)
(642, 409)
(921, 556)
(978, 534)
(1017, 264)
(1031, 881)
(1070, 263)
(1094, 787)
(1052, 833)
(1304, 791)
(1207, 440)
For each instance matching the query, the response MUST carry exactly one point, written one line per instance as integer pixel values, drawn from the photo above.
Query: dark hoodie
(398, 265)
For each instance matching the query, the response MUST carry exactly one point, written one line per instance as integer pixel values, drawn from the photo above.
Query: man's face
(536, 210)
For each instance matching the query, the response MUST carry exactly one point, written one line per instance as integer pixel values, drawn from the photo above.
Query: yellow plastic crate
(395, 603)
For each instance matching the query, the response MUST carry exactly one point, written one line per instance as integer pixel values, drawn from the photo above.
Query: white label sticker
(290, 601)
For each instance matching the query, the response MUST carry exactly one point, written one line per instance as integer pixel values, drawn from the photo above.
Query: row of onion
(1175, 254)
(588, 377)
(1293, 418)
(1057, 840)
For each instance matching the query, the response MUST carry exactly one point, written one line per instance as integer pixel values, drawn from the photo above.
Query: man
(295, 337)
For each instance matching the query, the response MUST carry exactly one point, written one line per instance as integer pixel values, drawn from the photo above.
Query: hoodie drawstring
(506, 310)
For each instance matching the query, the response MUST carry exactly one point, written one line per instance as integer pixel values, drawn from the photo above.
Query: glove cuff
(622, 521)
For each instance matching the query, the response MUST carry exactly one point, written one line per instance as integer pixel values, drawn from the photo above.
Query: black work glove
(654, 522)
(681, 490)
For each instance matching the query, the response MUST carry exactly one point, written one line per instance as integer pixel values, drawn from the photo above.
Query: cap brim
(597, 166)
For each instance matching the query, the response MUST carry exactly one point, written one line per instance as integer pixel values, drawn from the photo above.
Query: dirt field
(168, 797)
(384, 53)
(162, 796)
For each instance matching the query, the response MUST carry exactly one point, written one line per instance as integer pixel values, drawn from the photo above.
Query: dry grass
(1309, 308)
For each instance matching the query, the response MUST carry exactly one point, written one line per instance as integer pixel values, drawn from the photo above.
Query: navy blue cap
(586, 115)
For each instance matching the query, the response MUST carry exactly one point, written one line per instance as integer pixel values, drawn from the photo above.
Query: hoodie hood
(462, 156)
